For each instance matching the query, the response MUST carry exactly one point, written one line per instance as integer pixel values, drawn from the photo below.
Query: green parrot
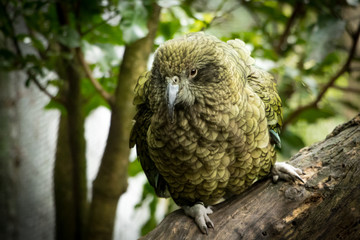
(207, 123)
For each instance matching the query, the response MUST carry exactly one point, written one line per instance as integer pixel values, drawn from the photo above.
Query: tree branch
(347, 89)
(11, 29)
(331, 82)
(19, 53)
(98, 24)
(219, 15)
(354, 69)
(298, 8)
(325, 207)
(103, 93)
(33, 78)
(256, 18)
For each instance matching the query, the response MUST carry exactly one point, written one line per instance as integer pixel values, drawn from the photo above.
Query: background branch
(347, 89)
(33, 78)
(330, 83)
(298, 9)
(116, 14)
(103, 93)
(20, 55)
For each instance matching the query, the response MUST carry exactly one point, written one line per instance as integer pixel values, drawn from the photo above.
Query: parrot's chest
(185, 147)
(190, 141)
(193, 154)
(204, 155)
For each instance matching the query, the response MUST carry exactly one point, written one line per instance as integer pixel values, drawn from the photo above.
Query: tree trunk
(111, 180)
(63, 185)
(327, 206)
(70, 185)
(77, 143)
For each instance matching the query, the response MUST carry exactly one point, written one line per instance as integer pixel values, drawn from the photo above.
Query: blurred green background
(309, 46)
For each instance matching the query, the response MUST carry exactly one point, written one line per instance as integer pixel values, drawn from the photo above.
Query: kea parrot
(207, 123)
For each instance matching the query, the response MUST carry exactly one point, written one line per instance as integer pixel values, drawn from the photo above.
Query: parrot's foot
(286, 171)
(200, 214)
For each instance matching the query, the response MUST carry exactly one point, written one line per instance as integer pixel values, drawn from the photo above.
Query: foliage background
(310, 47)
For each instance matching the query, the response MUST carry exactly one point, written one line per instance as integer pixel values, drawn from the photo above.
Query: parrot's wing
(240, 48)
(138, 137)
(264, 86)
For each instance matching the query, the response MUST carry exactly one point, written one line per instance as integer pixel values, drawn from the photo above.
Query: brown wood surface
(326, 207)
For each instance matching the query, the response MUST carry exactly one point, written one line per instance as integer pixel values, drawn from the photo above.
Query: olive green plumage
(204, 114)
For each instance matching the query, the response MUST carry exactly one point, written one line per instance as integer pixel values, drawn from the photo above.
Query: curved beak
(172, 91)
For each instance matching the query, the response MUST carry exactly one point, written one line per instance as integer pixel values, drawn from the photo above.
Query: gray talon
(200, 214)
(285, 171)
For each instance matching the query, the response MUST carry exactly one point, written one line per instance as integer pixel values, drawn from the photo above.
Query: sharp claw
(298, 177)
(287, 172)
(294, 174)
(204, 230)
(210, 224)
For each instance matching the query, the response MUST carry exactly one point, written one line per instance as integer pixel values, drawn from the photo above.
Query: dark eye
(193, 72)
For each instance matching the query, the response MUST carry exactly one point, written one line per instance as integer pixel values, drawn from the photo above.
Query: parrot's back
(264, 85)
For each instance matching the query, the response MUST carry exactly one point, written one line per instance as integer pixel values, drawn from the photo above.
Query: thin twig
(11, 29)
(354, 69)
(257, 20)
(98, 24)
(42, 88)
(291, 21)
(16, 44)
(217, 18)
(331, 82)
(347, 89)
(107, 96)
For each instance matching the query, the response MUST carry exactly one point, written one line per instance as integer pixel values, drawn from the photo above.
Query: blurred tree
(300, 42)
(59, 32)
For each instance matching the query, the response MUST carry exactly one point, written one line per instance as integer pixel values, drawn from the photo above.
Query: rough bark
(326, 207)
(111, 180)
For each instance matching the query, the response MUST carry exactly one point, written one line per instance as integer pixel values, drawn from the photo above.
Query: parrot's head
(189, 68)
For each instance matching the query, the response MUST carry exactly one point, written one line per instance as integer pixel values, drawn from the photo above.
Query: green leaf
(56, 105)
(7, 58)
(151, 223)
(291, 143)
(169, 25)
(134, 20)
(134, 168)
(108, 56)
(27, 82)
(323, 37)
(312, 115)
(92, 98)
(106, 34)
(292, 139)
(69, 37)
(350, 104)
(168, 3)
(37, 43)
